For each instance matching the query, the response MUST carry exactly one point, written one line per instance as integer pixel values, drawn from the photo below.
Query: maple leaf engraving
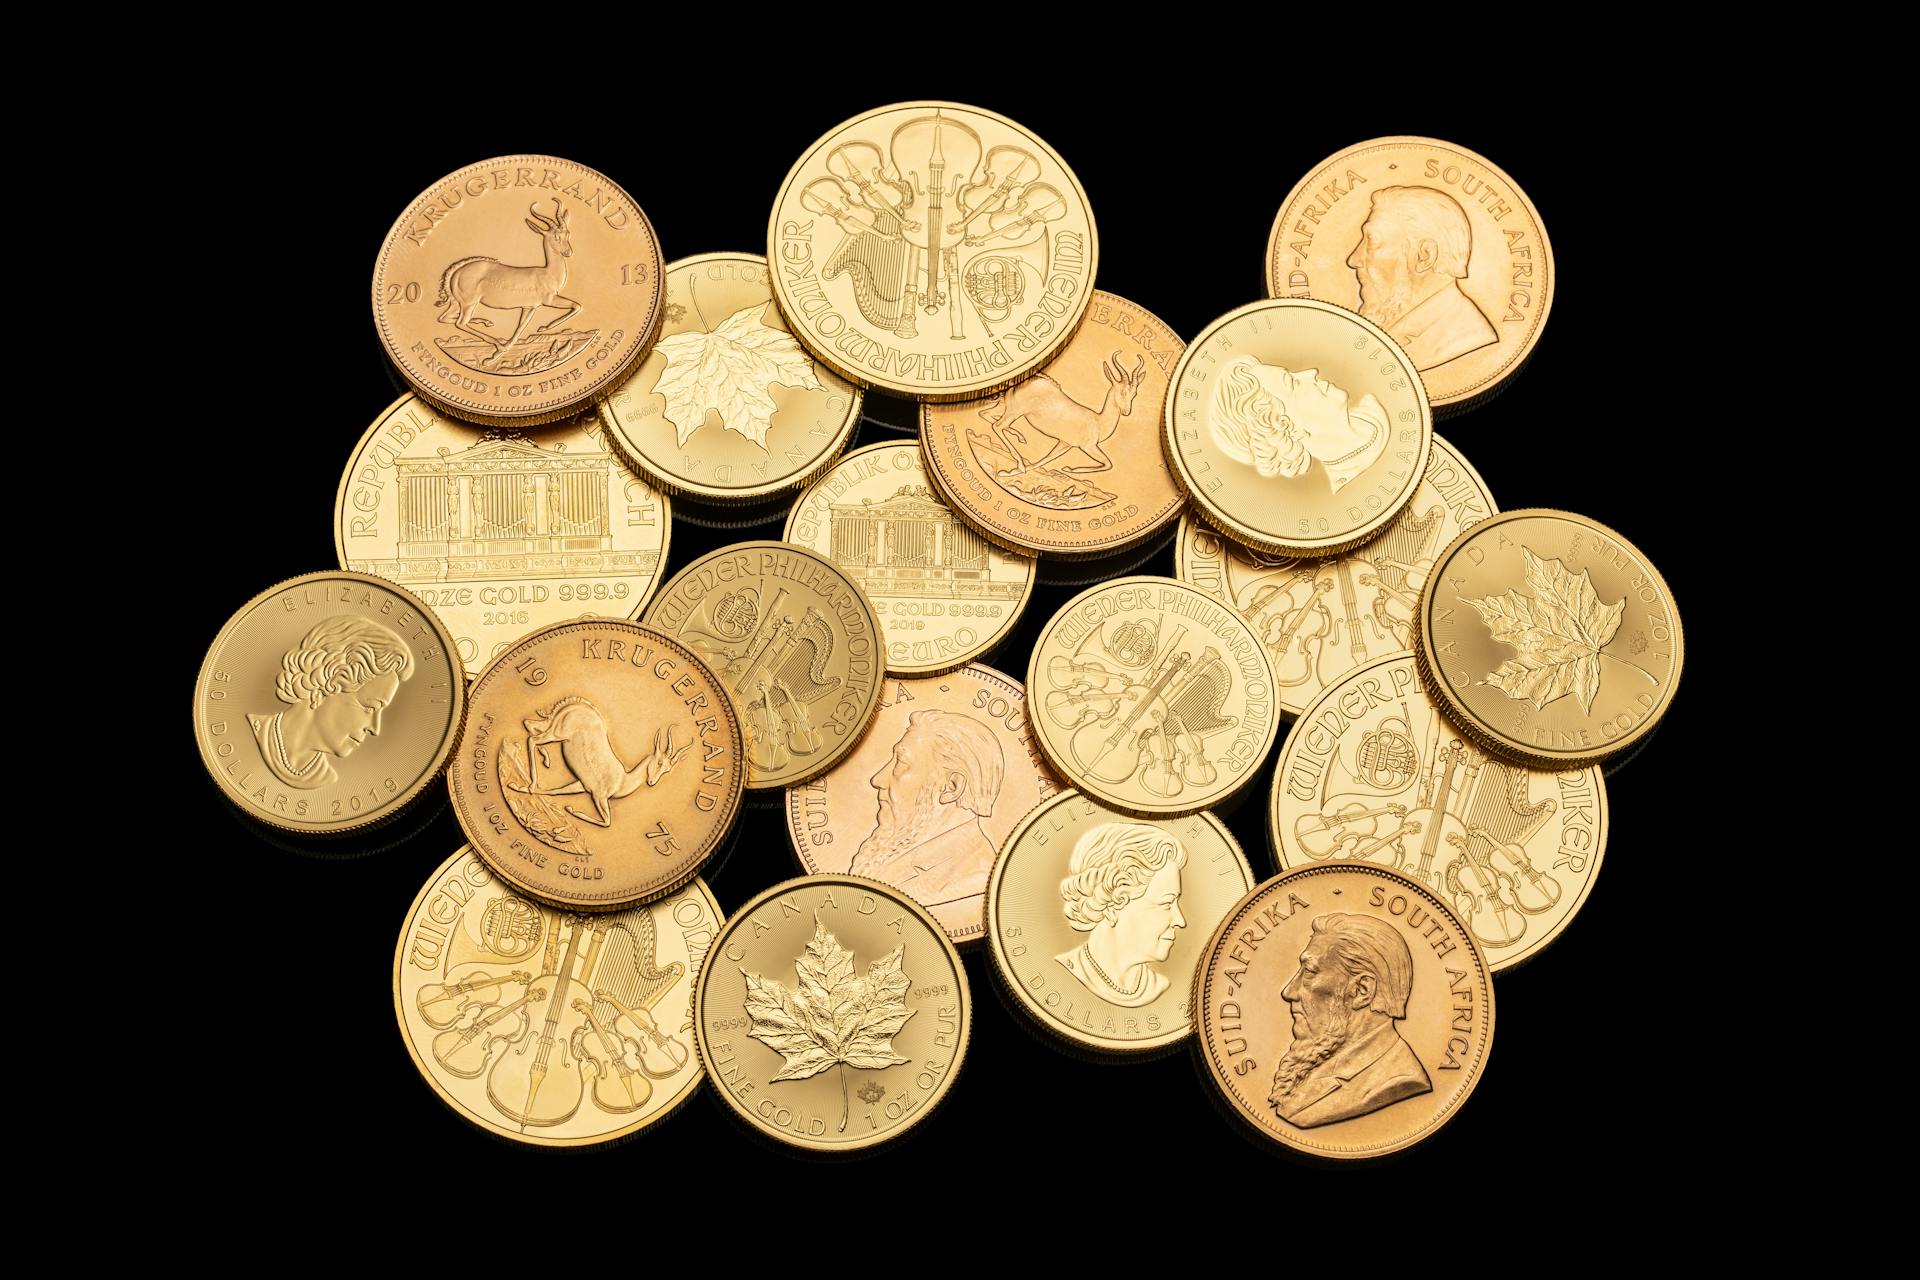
(830, 1017)
(731, 368)
(1556, 635)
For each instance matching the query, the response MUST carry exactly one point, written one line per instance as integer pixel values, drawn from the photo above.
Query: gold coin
(1152, 698)
(518, 290)
(1431, 242)
(1344, 1011)
(839, 1016)
(1322, 618)
(600, 767)
(1097, 920)
(727, 406)
(1067, 462)
(1549, 638)
(943, 594)
(1297, 428)
(500, 532)
(795, 644)
(328, 702)
(547, 1027)
(933, 250)
(930, 794)
(1375, 772)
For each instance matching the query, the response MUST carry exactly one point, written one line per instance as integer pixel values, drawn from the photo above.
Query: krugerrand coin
(601, 765)
(501, 532)
(1297, 427)
(727, 407)
(944, 595)
(1549, 638)
(1431, 242)
(1344, 1011)
(835, 1013)
(328, 703)
(1152, 697)
(932, 250)
(518, 290)
(1067, 462)
(928, 798)
(550, 1027)
(795, 644)
(1321, 618)
(1374, 772)
(1097, 920)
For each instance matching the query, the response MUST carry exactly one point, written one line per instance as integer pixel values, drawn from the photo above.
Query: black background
(1184, 191)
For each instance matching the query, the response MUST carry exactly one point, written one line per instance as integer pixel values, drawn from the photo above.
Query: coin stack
(502, 615)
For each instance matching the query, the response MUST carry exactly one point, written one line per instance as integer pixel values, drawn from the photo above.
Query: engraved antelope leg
(573, 309)
(601, 806)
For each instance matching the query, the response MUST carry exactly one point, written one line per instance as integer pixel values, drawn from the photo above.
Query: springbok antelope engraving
(489, 282)
(587, 752)
(1052, 413)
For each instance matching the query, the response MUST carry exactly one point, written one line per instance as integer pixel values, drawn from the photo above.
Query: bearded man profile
(942, 779)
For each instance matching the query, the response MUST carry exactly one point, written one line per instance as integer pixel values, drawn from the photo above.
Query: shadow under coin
(732, 515)
(1040, 1033)
(1056, 572)
(1614, 764)
(383, 836)
(890, 413)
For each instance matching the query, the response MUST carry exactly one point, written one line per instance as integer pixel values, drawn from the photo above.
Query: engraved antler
(546, 223)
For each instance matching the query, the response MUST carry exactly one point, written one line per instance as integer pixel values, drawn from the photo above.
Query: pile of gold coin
(505, 615)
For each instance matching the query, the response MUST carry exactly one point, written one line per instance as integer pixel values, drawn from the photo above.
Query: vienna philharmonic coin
(549, 1027)
(1152, 697)
(727, 406)
(1431, 242)
(601, 765)
(929, 797)
(1098, 920)
(1549, 638)
(328, 702)
(518, 290)
(795, 644)
(1322, 618)
(943, 594)
(500, 532)
(834, 1014)
(1374, 772)
(933, 250)
(1344, 1011)
(1067, 462)
(1297, 428)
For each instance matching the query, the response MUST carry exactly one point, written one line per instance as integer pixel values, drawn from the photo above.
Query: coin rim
(1217, 1070)
(866, 380)
(1473, 393)
(456, 724)
(1469, 723)
(829, 880)
(1144, 811)
(1003, 965)
(943, 665)
(1311, 550)
(647, 892)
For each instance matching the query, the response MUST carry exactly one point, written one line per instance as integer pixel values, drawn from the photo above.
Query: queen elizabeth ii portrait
(1122, 890)
(1281, 422)
(337, 682)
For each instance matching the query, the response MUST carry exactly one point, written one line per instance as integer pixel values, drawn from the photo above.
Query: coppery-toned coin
(328, 702)
(1152, 697)
(727, 407)
(549, 1027)
(1067, 462)
(1297, 427)
(933, 250)
(944, 595)
(835, 1013)
(600, 766)
(518, 290)
(1431, 242)
(1376, 773)
(928, 798)
(1344, 1011)
(501, 532)
(1097, 920)
(1322, 618)
(1549, 638)
(794, 642)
